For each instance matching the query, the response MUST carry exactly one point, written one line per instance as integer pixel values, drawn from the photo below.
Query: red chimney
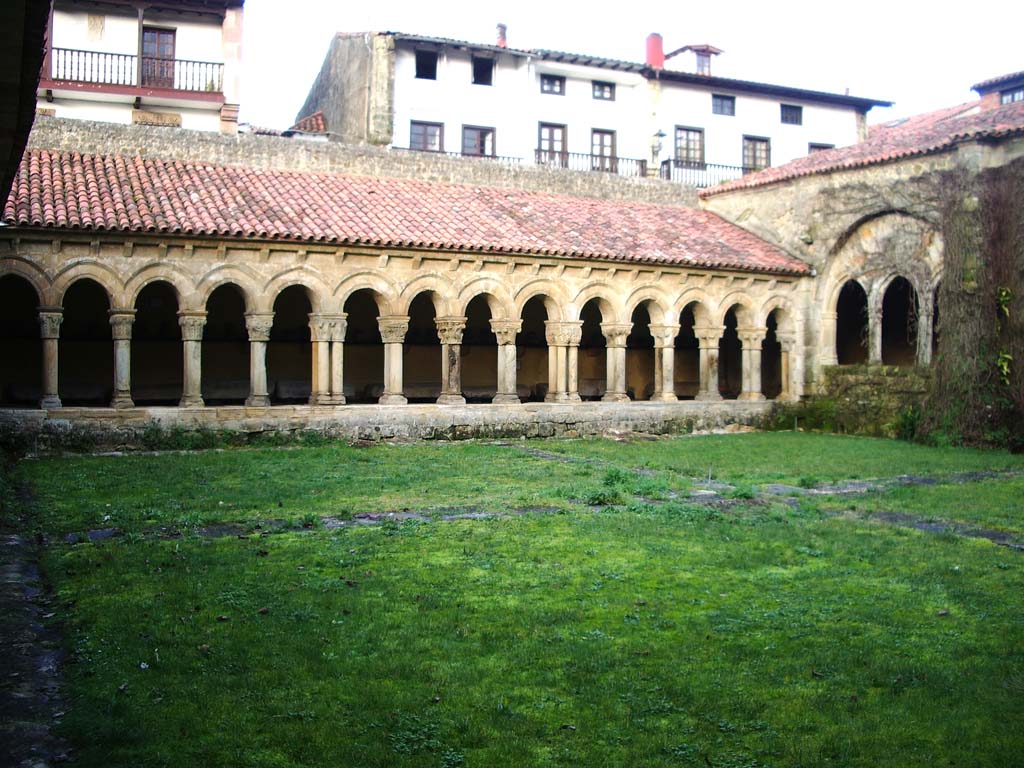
(655, 51)
(502, 29)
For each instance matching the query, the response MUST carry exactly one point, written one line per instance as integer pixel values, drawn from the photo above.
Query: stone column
(505, 331)
(339, 324)
(450, 329)
(925, 317)
(829, 356)
(787, 342)
(615, 361)
(563, 339)
(192, 324)
(50, 319)
(664, 362)
(258, 324)
(572, 331)
(875, 335)
(121, 324)
(708, 338)
(751, 340)
(392, 330)
(320, 379)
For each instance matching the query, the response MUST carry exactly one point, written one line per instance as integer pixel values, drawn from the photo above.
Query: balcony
(700, 175)
(574, 161)
(499, 158)
(123, 71)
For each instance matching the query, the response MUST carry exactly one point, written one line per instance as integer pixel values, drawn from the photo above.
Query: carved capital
(751, 337)
(258, 324)
(121, 323)
(562, 333)
(664, 335)
(506, 331)
(49, 323)
(615, 333)
(339, 325)
(192, 324)
(450, 329)
(786, 340)
(709, 335)
(393, 328)
(319, 327)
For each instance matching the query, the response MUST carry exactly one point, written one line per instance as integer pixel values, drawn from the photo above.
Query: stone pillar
(320, 379)
(121, 324)
(925, 317)
(875, 335)
(392, 330)
(573, 334)
(50, 319)
(339, 324)
(664, 362)
(258, 324)
(615, 361)
(751, 340)
(505, 331)
(192, 324)
(787, 342)
(563, 339)
(708, 338)
(829, 356)
(450, 329)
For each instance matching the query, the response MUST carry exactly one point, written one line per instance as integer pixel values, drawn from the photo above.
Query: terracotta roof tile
(134, 194)
(897, 140)
(313, 123)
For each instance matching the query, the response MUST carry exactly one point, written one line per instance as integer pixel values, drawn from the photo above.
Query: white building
(576, 111)
(167, 62)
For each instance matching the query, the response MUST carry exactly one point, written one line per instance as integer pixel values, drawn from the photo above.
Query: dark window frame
(479, 129)
(815, 146)
(478, 62)
(547, 83)
(157, 58)
(688, 161)
(413, 124)
(602, 90)
(757, 141)
(423, 68)
(603, 162)
(1011, 96)
(546, 155)
(791, 114)
(723, 104)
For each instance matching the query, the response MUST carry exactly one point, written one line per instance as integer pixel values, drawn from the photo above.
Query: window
(483, 70)
(477, 140)
(426, 65)
(602, 150)
(552, 84)
(723, 105)
(158, 57)
(792, 115)
(756, 153)
(703, 63)
(689, 147)
(812, 147)
(1009, 97)
(426, 137)
(551, 147)
(604, 91)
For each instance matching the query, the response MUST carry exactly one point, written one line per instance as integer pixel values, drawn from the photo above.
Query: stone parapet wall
(298, 154)
(124, 427)
(872, 399)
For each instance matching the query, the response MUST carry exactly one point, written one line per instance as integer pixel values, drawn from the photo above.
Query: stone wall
(872, 399)
(258, 151)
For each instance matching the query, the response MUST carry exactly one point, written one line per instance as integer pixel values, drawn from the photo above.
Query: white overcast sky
(920, 55)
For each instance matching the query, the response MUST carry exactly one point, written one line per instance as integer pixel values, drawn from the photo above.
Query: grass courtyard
(571, 603)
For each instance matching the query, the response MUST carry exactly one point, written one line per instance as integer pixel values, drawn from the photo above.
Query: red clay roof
(897, 140)
(132, 194)
(314, 123)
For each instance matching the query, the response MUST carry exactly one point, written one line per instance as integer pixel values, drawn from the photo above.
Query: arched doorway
(640, 384)
(479, 352)
(225, 352)
(532, 350)
(364, 348)
(157, 362)
(593, 356)
(687, 351)
(899, 323)
(86, 353)
(422, 351)
(21, 347)
(771, 358)
(730, 358)
(290, 351)
(852, 324)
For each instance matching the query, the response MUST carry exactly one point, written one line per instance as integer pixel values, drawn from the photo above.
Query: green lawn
(655, 632)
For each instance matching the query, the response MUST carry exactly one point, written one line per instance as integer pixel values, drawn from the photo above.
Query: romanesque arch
(532, 347)
(480, 348)
(86, 351)
(900, 320)
(21, 347)
(364, 346)
(289, 348)
(225, 354)
(157, 366)
(422, 349)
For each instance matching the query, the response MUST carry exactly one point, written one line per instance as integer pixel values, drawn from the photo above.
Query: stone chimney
(502, 32)
(655, 51)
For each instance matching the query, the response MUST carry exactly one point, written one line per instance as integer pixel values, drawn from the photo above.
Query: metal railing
(575, 161)
(123, 69)
(498, 158)
(700, 175)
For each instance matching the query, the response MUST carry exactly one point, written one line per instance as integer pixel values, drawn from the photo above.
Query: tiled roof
(920, 135)
(994, 82)
(314, 123)
(132, 194)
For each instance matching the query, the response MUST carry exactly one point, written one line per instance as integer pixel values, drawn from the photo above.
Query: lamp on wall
(656, 144)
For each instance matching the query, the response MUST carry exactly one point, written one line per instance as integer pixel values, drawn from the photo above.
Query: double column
(563, 337)
(192, 324)
(751, 339)
(615, 335)
(449, 330)
(392, 332)
(708, 338)
(121, 321)
(505, 331)
(258, 325)
(664, 362)
(50, 319)
(327, 335)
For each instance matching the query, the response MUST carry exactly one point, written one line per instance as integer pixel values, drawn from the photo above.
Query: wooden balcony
(129, 71)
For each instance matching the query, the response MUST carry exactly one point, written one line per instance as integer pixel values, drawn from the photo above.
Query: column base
(191, 401)
(505, 398)
(615, 397)
(709, 396)
(751, 396)
(388, 399)
(332, 400)
(50, 401)
(451, 399)
(664, 397)
(257, 401)
(122, 400)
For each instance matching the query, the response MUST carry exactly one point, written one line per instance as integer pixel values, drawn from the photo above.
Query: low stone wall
(125, 428)
(872, 399)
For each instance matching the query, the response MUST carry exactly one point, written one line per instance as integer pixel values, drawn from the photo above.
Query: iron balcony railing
(701, 175)
(123, 69)
(499, 158)
(574, 161)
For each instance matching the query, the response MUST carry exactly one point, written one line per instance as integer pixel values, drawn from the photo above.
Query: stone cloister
(161, 323)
